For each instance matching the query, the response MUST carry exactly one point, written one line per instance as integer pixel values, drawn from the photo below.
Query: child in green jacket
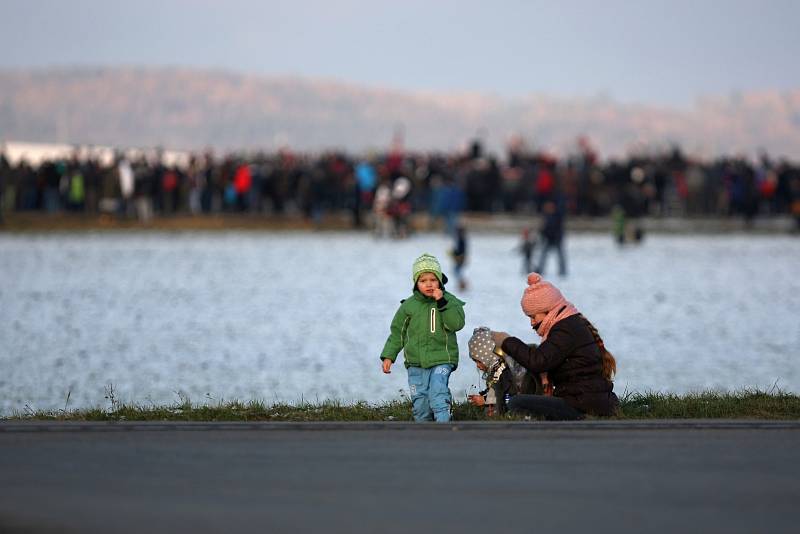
(425, 328)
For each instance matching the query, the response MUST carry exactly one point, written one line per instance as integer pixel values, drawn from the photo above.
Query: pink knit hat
(540, 296)
(544, 297)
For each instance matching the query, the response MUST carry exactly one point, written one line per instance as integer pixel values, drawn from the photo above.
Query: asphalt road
(395, 477)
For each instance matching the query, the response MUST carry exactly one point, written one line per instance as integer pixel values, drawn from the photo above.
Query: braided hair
(609, 363)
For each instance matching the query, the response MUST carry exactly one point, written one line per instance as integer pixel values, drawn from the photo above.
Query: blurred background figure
(628, 211)
(447, 202)
(381, 215)
(400, 207)
(552, 233)
(126, 186)
(366, 182)
(526, 249)
(795, 195)
(196, 185)
(242, 183)
(459, 254)
(4, 166)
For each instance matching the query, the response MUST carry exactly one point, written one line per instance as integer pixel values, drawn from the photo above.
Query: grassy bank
(707, 405)
(70, 222)
(37, 222)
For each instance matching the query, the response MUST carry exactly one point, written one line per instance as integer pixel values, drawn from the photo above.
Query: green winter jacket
(426, 331)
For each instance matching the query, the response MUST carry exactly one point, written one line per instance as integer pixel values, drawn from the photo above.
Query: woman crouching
(577, 364)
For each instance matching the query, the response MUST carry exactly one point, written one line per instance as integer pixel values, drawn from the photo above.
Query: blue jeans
(430, 392)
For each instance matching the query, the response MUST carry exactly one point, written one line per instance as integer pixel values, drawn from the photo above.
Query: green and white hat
(426, 263)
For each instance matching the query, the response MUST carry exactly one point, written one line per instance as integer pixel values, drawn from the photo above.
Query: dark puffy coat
(573, 361)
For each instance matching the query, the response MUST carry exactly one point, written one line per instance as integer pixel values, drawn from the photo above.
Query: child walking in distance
(425, 327)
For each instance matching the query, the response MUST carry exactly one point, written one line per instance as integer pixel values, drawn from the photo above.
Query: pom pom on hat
(540, 296)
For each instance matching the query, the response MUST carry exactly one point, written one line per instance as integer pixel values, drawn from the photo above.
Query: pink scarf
(561, 310)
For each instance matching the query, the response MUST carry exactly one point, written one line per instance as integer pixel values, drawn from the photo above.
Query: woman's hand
(387, 365)
(499, 337)
(476, 400)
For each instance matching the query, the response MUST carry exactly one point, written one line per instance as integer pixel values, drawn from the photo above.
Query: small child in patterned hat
(504, 377)
(425, 327)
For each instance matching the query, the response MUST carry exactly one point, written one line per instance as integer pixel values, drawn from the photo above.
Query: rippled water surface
(290, 316)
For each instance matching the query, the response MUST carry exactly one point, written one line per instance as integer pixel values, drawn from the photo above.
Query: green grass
(399, 410)
(750, 404)
(747, 404)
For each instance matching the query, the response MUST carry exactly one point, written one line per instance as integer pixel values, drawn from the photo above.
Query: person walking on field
(553, 236)
(459, 253)
(425, 327)
(526, 248)
(572, 353)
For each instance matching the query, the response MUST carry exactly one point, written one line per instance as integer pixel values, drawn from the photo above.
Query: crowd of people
(390, 187)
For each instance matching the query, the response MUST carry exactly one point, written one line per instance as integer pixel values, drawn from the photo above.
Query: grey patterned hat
(481, 347)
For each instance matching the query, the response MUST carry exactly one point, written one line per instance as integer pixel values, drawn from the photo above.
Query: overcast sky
(657, 52)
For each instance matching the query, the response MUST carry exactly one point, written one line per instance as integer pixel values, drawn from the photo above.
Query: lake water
(291, 316)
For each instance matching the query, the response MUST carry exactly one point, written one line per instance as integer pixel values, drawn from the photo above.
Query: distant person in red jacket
(242, 182)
